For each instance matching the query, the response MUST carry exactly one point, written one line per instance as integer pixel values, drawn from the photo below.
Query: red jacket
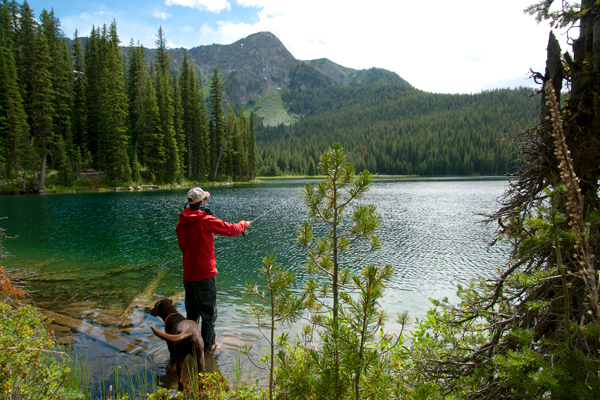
(195, 230)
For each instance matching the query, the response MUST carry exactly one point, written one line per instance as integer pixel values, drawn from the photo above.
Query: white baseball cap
(196, 195)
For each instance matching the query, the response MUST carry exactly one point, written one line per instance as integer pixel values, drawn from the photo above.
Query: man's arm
(223, 228)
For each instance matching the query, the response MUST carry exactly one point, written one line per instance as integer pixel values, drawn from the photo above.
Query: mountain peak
(254, 66)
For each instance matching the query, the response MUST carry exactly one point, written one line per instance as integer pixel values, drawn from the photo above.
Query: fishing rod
(265, 213)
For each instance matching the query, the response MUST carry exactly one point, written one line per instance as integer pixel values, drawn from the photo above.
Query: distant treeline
(66, 109)
(396, 129)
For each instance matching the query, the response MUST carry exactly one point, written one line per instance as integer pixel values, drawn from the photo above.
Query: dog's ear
(168, 301)
(154, 309)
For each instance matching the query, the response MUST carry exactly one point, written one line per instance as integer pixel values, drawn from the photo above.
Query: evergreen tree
(184, 111)
(178, 126)
(150, 140)
(63, 164)
(94, 54)
(61, 74)
(25, 46)
(231, 132)
(114, 139)
(250, 146)
(78, 120)
(241, 146)
(43, 103)
(216, 124)
(193, 122)
(166, 110)
(13, 120)
(136, 169)
(9, 22)
(348, 363)
(133, 84)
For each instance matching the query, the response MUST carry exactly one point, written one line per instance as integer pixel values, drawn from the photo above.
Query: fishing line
(266, 212)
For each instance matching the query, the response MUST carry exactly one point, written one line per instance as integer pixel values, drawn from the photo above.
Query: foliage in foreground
(31, 368)
(533, 331)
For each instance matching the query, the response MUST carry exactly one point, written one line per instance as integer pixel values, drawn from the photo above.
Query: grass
(126, 380)
(271, 108)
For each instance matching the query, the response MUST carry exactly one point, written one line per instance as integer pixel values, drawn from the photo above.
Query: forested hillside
(141, 115)
(68, 110)
(395, 129)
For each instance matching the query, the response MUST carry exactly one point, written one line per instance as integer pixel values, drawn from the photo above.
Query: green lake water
(94, 256)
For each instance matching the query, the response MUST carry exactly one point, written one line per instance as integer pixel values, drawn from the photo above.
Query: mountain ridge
(254, 66)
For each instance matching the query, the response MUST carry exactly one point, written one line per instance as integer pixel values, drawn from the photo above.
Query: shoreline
(260, 179)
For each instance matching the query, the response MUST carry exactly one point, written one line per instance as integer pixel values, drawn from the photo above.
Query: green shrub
(30, 366)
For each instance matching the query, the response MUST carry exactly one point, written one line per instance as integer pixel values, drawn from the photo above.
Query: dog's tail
(171, 338)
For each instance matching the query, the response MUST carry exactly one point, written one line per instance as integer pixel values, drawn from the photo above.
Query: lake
(99, 259)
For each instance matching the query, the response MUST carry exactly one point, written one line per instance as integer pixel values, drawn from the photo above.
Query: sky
(439, 46)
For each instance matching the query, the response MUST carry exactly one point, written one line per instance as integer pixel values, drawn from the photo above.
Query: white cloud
(215, 6)
(449, 47)
(162, 15)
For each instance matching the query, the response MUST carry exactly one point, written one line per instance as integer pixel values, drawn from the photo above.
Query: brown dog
(182, 336)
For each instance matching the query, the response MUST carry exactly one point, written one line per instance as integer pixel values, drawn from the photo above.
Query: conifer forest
(88, 103)
(70, 109)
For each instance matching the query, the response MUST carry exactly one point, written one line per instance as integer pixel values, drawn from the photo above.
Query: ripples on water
(104, 249)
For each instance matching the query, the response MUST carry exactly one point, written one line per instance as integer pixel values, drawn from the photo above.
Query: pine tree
(114, 139)
(13, 120)
(231, 132)
(63, 164)
(78, 121)
(25, 45)
(133, 84)
(241, 147)
(194, 127)
(9, 18)
(184, 111)
(251, 146)
(201, 133)
(164, 100)
(42, 104)
(94, 54)
(61, 74)
(178, 126)
(216, 124)
(150, 140)
(136, 170)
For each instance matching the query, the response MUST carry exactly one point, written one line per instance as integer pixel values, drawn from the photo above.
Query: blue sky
(460, 46)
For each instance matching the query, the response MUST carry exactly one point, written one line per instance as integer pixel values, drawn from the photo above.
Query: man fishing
(195, 234)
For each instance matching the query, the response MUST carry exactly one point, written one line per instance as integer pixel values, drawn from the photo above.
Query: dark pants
(201, 301)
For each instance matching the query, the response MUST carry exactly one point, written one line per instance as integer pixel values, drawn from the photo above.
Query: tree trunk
(42, 181)
(219, 159)
(24, 178)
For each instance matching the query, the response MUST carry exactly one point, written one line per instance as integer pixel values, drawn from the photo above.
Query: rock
(65, 340)
(130, 188)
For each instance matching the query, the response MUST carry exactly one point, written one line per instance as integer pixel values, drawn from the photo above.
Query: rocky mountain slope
(257, 65)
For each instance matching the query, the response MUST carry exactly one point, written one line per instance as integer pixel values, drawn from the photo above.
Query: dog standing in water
(182, 336)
